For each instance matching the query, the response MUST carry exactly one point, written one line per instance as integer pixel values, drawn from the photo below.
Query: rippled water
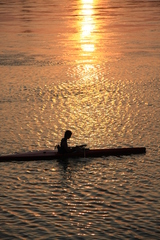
(93, 67)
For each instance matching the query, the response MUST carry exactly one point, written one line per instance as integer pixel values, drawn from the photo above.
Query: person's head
(67, 134)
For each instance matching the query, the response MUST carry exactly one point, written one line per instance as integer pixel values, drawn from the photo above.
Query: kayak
(84, 153)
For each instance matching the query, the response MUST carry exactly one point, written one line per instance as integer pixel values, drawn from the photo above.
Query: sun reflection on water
(85, 70)
(87, 26)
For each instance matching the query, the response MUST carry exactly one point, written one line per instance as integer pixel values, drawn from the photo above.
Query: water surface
(92, 67)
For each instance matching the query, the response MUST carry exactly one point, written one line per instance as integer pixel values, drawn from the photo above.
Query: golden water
(93, 67)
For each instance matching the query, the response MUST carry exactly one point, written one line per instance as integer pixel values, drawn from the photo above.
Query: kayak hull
(53, 154)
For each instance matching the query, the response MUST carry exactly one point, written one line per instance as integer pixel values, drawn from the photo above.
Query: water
(92, 67)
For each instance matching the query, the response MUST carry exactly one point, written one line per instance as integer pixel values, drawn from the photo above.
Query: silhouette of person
(64, 148)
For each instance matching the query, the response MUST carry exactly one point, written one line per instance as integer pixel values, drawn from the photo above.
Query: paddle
(81, 146)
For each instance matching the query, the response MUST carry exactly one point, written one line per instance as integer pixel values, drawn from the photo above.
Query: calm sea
(91, 66)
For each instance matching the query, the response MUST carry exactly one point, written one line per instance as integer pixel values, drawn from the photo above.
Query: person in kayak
(63, 148)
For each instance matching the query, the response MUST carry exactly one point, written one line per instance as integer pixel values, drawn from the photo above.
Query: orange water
(92, 67)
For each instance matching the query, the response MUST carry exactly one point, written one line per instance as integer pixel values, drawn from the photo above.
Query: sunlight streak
(87, 26)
